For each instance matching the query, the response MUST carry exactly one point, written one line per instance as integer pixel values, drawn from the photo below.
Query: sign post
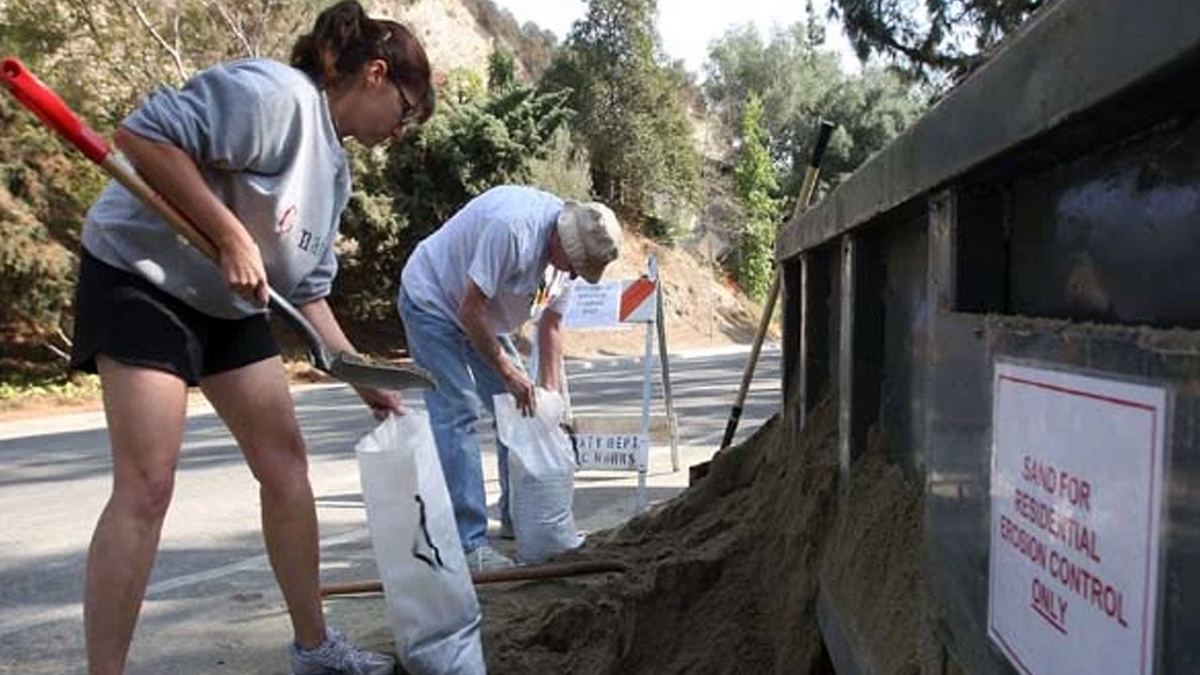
(1077, 494)
(650, 298)
(610, 443)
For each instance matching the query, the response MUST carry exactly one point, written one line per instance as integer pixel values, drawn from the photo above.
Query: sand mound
(724, 578)
(871, 565)
(721, 579)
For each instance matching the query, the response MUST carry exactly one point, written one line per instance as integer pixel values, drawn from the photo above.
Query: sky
(688, 26)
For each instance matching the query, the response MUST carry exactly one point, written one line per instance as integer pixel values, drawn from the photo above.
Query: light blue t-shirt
(500, 240)
(262, 135)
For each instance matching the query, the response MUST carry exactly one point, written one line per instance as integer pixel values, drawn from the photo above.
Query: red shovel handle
(43, 102)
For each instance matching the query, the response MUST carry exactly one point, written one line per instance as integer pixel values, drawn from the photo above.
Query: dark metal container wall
(1047, 211)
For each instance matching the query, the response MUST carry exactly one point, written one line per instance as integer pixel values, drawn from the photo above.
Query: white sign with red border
(610, 304)
(1076, 501)
(593, 305)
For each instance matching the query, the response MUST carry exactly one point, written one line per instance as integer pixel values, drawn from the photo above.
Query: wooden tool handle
(519, 573)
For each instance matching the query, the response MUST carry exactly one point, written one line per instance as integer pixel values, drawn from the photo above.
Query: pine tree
(931, 37)
(630, 116)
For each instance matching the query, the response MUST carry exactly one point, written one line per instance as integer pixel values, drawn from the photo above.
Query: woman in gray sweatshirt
(251, 152)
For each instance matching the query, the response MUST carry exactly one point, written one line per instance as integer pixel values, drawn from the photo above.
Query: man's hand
(381, 401)
(473, 313)
(523, 390)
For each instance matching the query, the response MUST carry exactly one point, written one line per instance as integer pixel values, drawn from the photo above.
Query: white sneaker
(486, 558)
(336, 656)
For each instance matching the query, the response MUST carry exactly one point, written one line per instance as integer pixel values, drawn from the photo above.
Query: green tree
(755, 179)
(563, 169)
(502, 71)
(799, 84)
(931, 37)
(630, 117)
(814, 26)
(118, 50)
(789, 75)
(35, 271)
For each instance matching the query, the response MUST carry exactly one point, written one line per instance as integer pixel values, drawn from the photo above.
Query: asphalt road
(211, 572)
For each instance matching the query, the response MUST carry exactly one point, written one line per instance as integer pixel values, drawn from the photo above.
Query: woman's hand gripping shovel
(51, 110)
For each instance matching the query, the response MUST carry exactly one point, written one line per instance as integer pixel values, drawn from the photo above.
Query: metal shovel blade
(354, 370)
(348, 367)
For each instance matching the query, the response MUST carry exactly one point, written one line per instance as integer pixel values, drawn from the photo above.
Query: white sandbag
(541, 477)
(431, 603)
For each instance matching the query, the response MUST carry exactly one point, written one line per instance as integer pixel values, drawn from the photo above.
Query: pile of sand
(723, 579)
(720, 579)
(871, 565)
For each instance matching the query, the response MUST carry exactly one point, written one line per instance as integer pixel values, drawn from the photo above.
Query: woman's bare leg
(257, 407)
(146, 410)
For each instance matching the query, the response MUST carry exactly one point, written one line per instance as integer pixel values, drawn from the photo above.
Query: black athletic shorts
(128, 319)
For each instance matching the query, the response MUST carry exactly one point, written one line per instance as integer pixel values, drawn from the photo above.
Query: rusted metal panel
(1090, 238)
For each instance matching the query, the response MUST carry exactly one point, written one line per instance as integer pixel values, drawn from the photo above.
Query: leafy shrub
(36, 273)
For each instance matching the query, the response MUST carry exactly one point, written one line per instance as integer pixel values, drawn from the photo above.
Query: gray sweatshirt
(261, 133)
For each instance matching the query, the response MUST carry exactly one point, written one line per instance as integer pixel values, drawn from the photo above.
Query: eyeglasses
(408, 110)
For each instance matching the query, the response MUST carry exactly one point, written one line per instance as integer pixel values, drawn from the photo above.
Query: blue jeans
(465, 383)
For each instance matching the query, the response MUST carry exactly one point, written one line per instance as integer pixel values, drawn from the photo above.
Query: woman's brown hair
(344, 38)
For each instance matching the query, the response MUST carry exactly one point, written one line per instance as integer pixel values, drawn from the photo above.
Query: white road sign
(613, 452)
(1077, 493)
(593, 305)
